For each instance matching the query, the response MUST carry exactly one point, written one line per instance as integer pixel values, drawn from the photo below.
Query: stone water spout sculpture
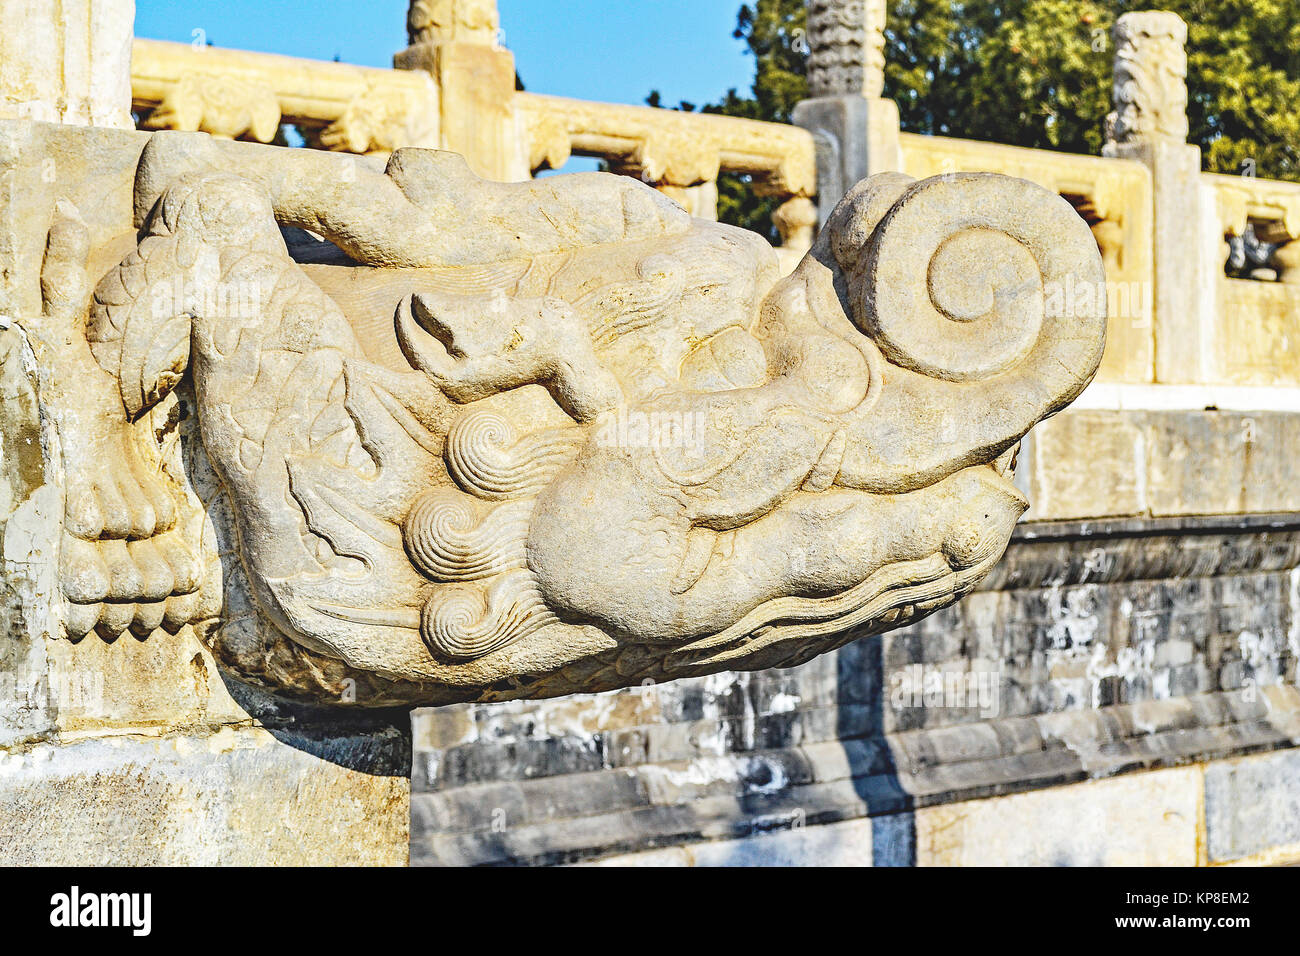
(485, 441)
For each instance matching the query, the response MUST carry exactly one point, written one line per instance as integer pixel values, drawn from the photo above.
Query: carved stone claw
(111, 494)
(114, 497)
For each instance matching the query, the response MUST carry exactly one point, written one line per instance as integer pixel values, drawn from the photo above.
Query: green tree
(1037, 73)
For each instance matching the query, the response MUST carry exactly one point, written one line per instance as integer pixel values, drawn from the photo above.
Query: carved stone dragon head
(455, 439)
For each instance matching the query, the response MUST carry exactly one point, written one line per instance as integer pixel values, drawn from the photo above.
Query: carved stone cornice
(1109, 550)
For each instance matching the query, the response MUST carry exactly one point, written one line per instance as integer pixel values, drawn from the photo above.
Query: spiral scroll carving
(487, 458)
(447, 541)
(954, 282)
(467, 621)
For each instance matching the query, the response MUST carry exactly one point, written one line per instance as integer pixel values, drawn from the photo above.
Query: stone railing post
(855, 126)
(77, 73)
(458, 42)
(1149, 124)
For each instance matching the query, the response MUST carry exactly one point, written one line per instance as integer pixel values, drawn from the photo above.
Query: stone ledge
(1093, 463)
(568, 818)
(1173, 817)
(1106, 550)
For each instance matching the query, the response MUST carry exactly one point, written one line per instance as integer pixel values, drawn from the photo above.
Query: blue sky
(613, 50)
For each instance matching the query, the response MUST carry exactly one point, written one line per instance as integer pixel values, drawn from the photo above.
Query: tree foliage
(1037, 73)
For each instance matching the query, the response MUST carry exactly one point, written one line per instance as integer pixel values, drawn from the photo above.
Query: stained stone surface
(239, 795)
(1138, 820)
(136, 746)
(67, 61)
(1252, 807)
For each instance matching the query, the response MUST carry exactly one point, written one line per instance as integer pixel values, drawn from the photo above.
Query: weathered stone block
(1252, 807)
(237, 796)
(1111, 484)
(835, 844)
(1148, 819)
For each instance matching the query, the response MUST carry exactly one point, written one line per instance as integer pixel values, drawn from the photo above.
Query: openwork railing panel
(1255, 224)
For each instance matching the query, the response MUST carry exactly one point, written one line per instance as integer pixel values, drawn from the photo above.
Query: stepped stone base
(1227, 812)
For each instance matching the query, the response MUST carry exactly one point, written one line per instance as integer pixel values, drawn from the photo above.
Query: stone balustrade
(1256, 332)
(1187, 327)
(1270, 209)
(235, 94)
(669, 147)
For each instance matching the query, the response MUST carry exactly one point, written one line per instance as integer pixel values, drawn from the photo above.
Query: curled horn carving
(990, 291)
(957, 276)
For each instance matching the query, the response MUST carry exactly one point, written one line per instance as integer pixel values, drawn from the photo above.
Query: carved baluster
(846, 48)
(1150, 82)
(795, 219)
(856, 127)
(1110, 238)
(679, 165)
(458, 42)
(225, 107)
(379, 121)
(1287, 258)
(1149, 124)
